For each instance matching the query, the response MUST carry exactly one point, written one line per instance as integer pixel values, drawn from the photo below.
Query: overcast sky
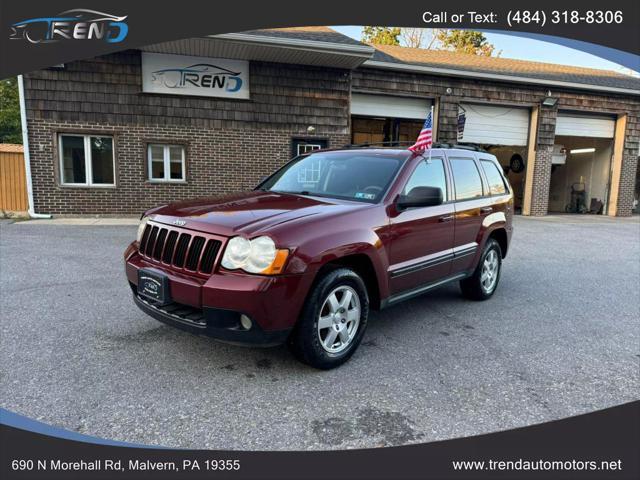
(528, 49)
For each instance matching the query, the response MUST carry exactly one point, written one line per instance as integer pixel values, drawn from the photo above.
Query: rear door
(422, 237)
(471, 207)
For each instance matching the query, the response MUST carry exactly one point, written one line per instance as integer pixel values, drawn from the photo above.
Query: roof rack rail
(462, 146)
(382, 144)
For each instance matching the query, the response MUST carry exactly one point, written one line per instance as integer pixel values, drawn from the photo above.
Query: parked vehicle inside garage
(304, 257)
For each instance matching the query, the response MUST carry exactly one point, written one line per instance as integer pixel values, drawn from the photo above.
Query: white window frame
(307, 147)
(166, 158)
(87, 160)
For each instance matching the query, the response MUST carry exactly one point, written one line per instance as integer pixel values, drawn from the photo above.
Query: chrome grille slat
(157, 250)
(145, 237)
(170, 246)
(209, 256)
(151, 242)
(181, 250)
(195, 249)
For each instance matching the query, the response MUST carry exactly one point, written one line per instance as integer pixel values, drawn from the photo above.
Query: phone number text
(540, 17)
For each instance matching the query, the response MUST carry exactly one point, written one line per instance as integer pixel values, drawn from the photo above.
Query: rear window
(494, 177)
(466, 178)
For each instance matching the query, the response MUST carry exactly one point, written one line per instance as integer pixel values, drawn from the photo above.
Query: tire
(311, 341)
(477, 287)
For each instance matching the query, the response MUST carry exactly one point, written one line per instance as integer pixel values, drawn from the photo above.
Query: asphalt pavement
(560, 337)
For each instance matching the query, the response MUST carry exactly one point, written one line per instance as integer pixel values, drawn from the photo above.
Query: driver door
(422, 238)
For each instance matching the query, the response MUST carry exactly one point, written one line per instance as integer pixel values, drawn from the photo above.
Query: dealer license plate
(154, 285)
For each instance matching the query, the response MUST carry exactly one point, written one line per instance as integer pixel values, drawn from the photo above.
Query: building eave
(364, 51)
(406, 67)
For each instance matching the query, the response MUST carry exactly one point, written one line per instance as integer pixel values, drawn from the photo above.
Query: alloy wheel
(339, 319)
(489, 273)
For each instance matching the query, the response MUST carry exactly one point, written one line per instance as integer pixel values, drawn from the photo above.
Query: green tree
(465, 41)
(10, 127)
(381, 35)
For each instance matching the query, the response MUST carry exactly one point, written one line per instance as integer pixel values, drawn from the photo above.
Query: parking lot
(560, 337)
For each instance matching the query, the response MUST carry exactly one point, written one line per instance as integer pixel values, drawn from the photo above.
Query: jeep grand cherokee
(304, 257)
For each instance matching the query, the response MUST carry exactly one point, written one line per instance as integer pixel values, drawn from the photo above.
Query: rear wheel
(484, 281)
(333, 320)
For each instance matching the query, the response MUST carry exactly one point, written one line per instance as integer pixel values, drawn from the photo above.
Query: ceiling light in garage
(583, 150)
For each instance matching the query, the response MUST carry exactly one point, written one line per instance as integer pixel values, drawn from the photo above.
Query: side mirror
(420, 197)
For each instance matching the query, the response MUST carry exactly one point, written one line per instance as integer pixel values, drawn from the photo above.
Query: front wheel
(333, 320)
(484, 281)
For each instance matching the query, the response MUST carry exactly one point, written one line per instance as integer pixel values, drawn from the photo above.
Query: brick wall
(230, 144)
(218, 161)
(496, 93)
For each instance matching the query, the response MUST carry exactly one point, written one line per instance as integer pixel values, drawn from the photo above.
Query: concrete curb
(82, 221)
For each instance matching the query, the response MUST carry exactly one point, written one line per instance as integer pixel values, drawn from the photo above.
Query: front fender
(311, 256)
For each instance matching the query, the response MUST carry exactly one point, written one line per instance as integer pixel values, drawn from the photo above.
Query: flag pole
(432, 139)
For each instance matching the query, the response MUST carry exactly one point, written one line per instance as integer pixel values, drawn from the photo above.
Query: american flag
(424, 140)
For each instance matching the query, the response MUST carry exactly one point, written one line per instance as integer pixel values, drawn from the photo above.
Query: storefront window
(166, 163)
(86, 160)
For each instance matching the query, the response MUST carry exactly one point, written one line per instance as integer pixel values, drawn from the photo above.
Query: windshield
(360, 176)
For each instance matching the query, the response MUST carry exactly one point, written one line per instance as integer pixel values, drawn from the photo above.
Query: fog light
(245, 322)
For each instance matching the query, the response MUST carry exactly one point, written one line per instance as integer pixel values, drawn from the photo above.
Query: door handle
(486, 209)
(445, 218)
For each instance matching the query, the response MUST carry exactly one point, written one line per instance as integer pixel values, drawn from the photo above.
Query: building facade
(118, 134)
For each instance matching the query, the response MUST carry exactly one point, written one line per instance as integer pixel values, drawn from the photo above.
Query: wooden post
(527, 197)
(616, 164)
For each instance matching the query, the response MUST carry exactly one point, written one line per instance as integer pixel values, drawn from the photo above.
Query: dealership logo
(200, 75)
(76, 24)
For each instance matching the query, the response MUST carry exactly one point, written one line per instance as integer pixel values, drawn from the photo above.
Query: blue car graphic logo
(201, 75)
(75, 24)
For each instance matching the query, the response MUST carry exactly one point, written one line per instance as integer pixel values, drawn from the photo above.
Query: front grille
(179, 249)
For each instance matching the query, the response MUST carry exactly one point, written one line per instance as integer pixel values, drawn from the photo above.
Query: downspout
(27, 157)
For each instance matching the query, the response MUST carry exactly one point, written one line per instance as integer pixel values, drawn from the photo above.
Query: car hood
(248, 213)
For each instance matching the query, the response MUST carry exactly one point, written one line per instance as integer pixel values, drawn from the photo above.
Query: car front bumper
(213, 306)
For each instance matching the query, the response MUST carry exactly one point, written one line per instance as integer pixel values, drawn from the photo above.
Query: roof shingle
(504, 66)
(465, 62)
(314, 34)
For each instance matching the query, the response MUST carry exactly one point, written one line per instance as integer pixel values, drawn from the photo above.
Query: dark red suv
(303, 257)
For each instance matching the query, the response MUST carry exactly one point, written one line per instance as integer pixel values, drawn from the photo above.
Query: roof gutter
(364, 51)
(27, 156)
(493, 76)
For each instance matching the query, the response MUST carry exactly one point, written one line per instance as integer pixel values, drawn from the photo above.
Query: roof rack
(461, 146)
(381, 144)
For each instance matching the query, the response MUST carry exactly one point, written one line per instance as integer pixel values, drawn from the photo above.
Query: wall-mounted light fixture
(311, 129)
(583, 150)
(549, 101)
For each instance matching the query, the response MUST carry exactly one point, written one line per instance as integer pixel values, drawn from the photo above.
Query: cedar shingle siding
(231, 144)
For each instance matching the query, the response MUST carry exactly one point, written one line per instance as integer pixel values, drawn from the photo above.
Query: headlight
(141, 227)
(258, 255)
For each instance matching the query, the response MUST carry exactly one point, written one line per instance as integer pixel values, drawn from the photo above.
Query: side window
(494, 177)
(466, 178)
(429, 173)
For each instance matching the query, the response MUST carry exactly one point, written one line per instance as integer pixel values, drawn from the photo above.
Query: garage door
(389, 106)
(584, 126)
(488, 125)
